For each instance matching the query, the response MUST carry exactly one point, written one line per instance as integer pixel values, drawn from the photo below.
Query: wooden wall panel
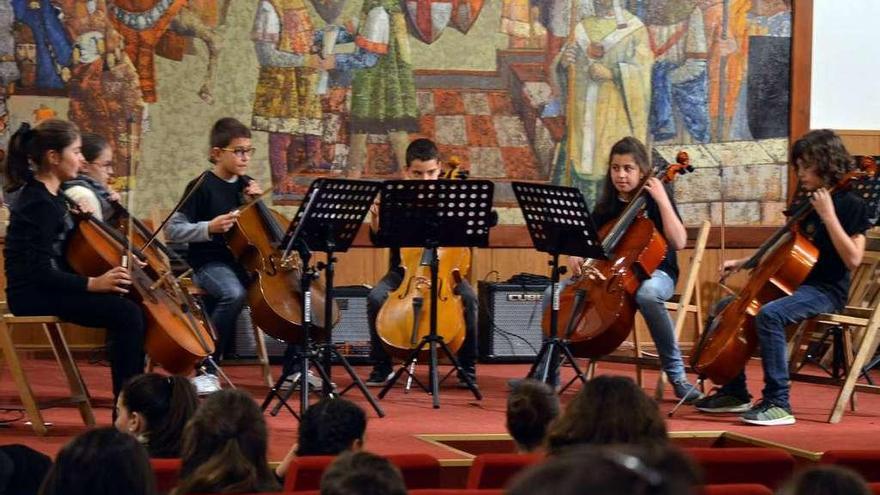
(861, 142)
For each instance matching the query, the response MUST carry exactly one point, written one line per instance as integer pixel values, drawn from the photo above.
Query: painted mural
(515, 89)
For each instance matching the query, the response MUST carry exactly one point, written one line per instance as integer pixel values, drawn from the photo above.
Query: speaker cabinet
(351, 335)
(510, 321)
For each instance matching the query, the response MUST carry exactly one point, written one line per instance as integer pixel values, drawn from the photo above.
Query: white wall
(845, 92)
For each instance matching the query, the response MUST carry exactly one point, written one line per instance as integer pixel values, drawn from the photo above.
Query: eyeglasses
(241, 152)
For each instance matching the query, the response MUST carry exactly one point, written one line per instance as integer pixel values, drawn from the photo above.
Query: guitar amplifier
(351, 335)
(510, 321)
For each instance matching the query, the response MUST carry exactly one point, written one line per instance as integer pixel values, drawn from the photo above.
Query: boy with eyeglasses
(203, 220)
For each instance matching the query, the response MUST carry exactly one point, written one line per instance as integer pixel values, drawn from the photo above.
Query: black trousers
(122, 318)
(467, 355)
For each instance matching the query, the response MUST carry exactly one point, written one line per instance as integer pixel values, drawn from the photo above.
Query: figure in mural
(9, 72)
(146, 29)
(519, 20)
(383, 93)
(287, 104)
(53, 47)
(105, 96)
(555, 17)
(679, 82)
(610, 92)
(724, 22)
(769, 56)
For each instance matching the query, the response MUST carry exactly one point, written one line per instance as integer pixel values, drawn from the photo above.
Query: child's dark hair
(422, 149)
(330, 426)
(608, 410)
(28, 145)
(224, 447)
(227, 129)
(167, 403)
(92, 146)
(823, 149)
(826, 480)
(626, 146)
(531, 407)
(103, 461)
(362, 473)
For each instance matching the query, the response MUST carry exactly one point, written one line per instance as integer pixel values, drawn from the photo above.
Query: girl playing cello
(837, 228)
(38, 279)
(628, 166)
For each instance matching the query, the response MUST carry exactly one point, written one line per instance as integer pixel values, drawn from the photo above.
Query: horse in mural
(163, 27)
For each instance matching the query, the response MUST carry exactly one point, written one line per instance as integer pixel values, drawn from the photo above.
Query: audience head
(531, 406)
(362, 473)
(330, 427)
(608, 410)
(609, 470)
(103, 461)
(224, 447)
(22, 469)
(155, 408)
(826, 480)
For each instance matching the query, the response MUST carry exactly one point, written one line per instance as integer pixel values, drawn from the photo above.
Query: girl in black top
(39, 281)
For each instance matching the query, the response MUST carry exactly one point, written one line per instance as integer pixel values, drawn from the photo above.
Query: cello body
(405, 316)
(597, 312)
(176, 338)
(275, 295)
(730, 341)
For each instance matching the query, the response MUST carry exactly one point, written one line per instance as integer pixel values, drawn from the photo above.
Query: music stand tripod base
(559, 222)
(431, 214)
(331, 213)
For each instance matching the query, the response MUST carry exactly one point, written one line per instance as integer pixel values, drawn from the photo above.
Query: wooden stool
(78, 393)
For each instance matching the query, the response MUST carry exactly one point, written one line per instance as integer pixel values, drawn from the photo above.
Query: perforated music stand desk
(430, 214)
(328, 219)
(559, 222)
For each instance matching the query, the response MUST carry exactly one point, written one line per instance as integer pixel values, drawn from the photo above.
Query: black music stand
(328, 220)
(559, 222)
(430, 214)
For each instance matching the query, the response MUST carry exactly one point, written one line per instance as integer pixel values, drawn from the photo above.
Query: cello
(274, 296)
(597, 312)
(778, 267)
(175, 338)
(404, 317)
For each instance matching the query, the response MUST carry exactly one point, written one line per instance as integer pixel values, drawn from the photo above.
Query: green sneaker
(722, 402)
(768, 414)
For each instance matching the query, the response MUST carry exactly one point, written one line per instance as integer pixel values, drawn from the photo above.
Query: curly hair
(608, 410)
(531, 406)
(330, 427)
(824, 150)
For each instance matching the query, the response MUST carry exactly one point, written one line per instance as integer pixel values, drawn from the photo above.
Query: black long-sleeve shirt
(35, 240)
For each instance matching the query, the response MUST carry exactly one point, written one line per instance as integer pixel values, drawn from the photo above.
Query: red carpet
(411, 414)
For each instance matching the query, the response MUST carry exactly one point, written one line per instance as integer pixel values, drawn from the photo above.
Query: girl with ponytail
(224, 448)
(39, 281)
(155, 408)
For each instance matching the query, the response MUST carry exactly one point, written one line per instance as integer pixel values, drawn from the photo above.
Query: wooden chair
(684, 303)
(860, 316)
(78, 393)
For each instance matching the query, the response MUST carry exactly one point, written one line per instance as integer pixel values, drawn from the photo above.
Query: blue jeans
(807, 301)
(651, 298)
(227, 295)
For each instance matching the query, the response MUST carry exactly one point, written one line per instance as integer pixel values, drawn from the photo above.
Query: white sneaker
(314, 381)
(206, 384)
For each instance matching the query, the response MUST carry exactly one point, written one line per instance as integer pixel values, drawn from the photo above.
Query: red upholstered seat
(864, 462)
(167, 473)
(875, 488)
(721, 466)
(418, 470)
(305, 472)
(495, 470)
(736, 489)
(455, 491)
